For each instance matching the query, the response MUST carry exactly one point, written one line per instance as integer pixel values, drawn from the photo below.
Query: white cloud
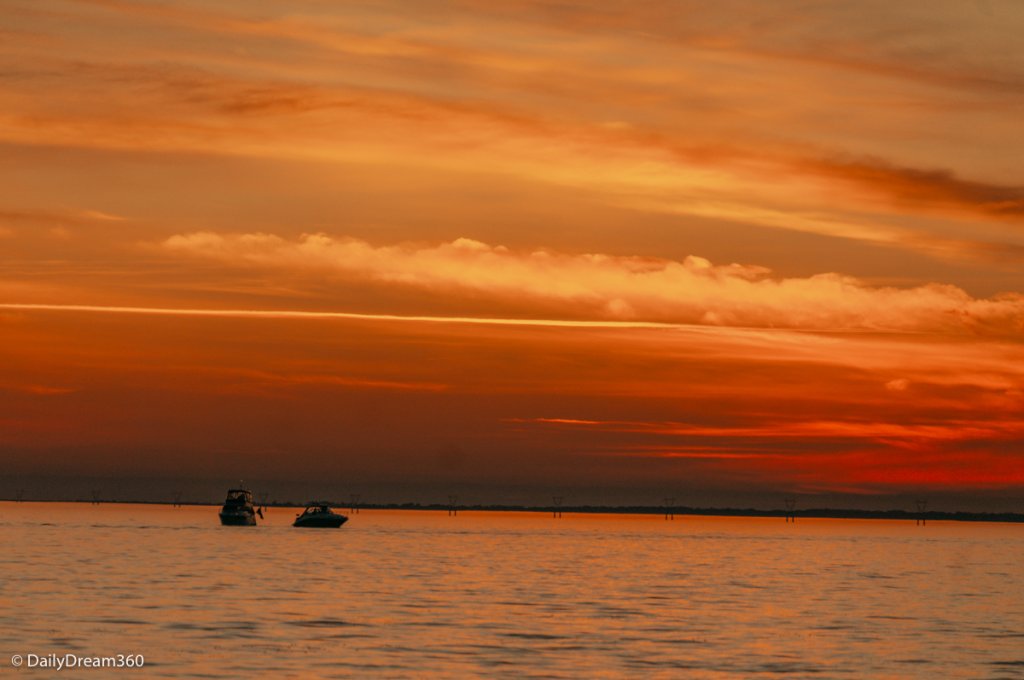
(625, 288)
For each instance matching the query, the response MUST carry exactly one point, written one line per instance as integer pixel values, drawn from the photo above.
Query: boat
(238, 510)
(319, 515)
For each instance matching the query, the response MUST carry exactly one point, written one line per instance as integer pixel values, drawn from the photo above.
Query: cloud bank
(601, 286)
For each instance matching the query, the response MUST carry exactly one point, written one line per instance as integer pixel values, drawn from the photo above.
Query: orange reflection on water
(495, 593)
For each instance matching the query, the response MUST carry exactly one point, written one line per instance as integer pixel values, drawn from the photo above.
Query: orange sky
(516, 248)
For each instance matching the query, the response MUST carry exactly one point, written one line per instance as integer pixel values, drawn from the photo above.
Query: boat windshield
(239, 496)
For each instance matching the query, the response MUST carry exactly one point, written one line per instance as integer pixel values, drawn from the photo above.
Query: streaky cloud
(624, 289)
(294, 314)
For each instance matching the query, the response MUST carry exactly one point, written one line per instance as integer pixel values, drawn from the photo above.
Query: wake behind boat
(238, 510)
(319, 515)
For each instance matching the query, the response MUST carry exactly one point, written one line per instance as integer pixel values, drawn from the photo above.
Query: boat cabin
(238, 497)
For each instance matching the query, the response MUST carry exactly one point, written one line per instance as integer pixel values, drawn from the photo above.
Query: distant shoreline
(810, 513)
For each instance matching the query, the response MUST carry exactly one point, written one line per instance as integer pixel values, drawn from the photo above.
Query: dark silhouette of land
(452, 507)
(819, 513)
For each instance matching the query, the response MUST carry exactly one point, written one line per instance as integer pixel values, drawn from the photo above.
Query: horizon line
(1012, 516)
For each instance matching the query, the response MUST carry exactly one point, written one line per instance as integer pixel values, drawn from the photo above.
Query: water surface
(421, 594)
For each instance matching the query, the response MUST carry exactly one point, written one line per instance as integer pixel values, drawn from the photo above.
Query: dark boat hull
(237, 520)
(321, 522)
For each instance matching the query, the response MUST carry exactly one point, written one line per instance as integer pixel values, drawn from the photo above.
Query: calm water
(418, 594)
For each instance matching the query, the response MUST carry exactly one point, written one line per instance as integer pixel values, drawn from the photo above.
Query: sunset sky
(615, 251)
